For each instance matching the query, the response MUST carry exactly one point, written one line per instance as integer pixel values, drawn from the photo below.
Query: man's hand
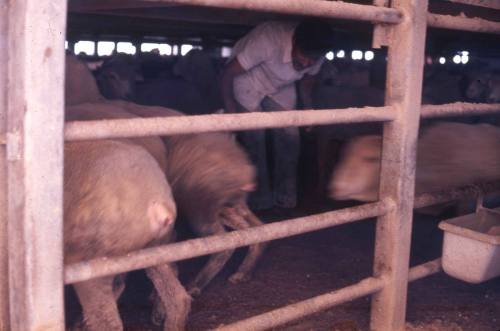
(306, 86)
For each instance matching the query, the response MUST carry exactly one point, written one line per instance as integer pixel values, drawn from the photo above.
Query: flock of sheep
(122, 195)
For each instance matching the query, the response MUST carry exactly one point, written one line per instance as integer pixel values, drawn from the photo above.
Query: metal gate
(31, 155)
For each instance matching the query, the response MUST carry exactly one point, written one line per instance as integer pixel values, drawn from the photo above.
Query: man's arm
(306, 85)
(230, 71)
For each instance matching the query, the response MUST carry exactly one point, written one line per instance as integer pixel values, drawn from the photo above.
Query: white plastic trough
(471, 247)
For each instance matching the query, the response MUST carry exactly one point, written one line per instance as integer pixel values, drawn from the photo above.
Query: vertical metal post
(36, 30)
(380, 31)
(403, 90)
(4, 280)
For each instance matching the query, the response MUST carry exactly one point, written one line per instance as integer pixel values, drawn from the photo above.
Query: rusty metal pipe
(228, 122)
(197, 247)
(462, 23)
(121, 128)
(424, 270)
(460, 109)
(470, 191)
(326, 9)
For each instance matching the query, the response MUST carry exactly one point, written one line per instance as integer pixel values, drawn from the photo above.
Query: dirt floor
(301, 267)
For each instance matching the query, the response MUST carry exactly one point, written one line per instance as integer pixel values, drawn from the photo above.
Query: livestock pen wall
(31, 99)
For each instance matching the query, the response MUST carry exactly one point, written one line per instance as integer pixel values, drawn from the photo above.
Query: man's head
(311, 40)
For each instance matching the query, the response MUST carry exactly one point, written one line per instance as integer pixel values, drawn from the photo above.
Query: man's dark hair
(313, 37)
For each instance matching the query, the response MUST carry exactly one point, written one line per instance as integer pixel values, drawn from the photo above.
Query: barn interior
(300, 267)
(177, 23)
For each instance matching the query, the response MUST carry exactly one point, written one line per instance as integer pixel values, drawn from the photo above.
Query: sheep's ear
(95, 66)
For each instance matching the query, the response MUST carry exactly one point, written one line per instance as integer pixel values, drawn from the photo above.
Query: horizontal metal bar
(424, 270)
(120, 128)
(471, 191)
(327, 9)
(460, 109)
(462, 23)
(197, 247)
(307, 307)
(230, 122)
(493, 4)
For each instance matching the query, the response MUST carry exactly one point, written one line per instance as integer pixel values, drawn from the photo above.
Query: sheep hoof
(239, 277)
(194, 292)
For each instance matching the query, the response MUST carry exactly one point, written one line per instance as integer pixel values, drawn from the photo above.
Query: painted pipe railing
(459, 109)
(197, 247)
(462, 23)
(120, 128)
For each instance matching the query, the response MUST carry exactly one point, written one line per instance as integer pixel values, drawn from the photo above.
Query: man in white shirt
(261, 76)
